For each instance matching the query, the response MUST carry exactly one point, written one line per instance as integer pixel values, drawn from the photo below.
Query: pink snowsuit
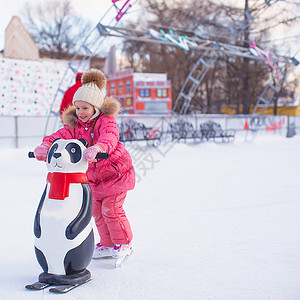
(109, 179)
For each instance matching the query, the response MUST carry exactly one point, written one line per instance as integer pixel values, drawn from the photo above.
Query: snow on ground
(210, 221)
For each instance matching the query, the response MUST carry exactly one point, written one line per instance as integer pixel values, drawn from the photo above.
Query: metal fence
(23, 131)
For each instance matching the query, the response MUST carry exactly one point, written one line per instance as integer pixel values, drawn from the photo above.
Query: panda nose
(57, 155)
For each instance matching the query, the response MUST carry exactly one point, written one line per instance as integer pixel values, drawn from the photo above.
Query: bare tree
(176, 62)
(55, 28)
(232, 80)
(261, 19)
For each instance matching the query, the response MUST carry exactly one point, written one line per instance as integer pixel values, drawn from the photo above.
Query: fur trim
(95, 76)
(111, 107)
(68, 117)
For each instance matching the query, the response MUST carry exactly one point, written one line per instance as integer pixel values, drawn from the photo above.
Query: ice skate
(101, 251)
(121, 252)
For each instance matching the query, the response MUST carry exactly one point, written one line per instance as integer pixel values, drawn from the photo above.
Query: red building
(141, 93)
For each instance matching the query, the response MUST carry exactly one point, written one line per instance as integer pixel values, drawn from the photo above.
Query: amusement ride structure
(209, 50)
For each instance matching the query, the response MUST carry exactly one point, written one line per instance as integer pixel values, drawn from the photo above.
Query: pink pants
(111, 221)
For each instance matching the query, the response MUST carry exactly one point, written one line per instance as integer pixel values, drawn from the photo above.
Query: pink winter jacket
(106, 177)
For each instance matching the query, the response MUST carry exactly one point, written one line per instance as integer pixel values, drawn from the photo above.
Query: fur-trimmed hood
(111, 107)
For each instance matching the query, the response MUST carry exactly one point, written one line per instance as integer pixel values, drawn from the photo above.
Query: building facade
(18, 42)
(141, 93)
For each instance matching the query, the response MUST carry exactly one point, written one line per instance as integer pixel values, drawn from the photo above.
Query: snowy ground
(210, 221)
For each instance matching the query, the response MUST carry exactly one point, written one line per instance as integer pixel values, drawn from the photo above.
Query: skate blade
(119, 261)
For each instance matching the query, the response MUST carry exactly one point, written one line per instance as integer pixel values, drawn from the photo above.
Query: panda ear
(84, 142)
(55, 140)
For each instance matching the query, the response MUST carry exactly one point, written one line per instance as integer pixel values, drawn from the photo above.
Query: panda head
(66, 156)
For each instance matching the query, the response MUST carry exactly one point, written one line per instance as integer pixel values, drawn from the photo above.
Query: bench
(183, 130)
(213, 131)
(132, 131)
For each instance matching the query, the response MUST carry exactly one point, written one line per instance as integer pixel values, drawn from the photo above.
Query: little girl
(92, 118)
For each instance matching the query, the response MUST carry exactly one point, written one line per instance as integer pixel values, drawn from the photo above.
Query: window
(120, 88)
(112, 89)
(128, 101)
(128, 86)
(144, 93)
(161, 93)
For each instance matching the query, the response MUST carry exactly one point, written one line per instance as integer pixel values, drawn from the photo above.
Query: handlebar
(98, 156)
(102, 155)
(31, 154)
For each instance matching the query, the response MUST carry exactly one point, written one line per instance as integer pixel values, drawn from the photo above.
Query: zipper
(116, 169)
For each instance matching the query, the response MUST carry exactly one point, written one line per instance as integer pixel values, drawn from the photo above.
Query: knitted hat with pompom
(93, 81)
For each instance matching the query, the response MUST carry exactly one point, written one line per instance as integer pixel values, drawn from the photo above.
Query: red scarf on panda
(60, 183)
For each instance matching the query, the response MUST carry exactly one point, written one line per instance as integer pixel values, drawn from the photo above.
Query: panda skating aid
(64, 239)
(37, 286)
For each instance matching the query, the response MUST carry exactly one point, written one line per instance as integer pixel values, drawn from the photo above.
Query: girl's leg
(115, 219)
(105, 239)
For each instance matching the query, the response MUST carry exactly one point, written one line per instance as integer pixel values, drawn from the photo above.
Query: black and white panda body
(64, 239)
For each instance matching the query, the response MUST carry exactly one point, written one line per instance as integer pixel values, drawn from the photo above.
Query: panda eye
(51, 152)
(74, 151)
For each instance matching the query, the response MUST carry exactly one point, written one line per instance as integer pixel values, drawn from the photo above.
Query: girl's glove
(91, 152)
(41, 151)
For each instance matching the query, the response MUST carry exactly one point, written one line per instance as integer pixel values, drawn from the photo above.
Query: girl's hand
(91, 152)
(41, 151)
